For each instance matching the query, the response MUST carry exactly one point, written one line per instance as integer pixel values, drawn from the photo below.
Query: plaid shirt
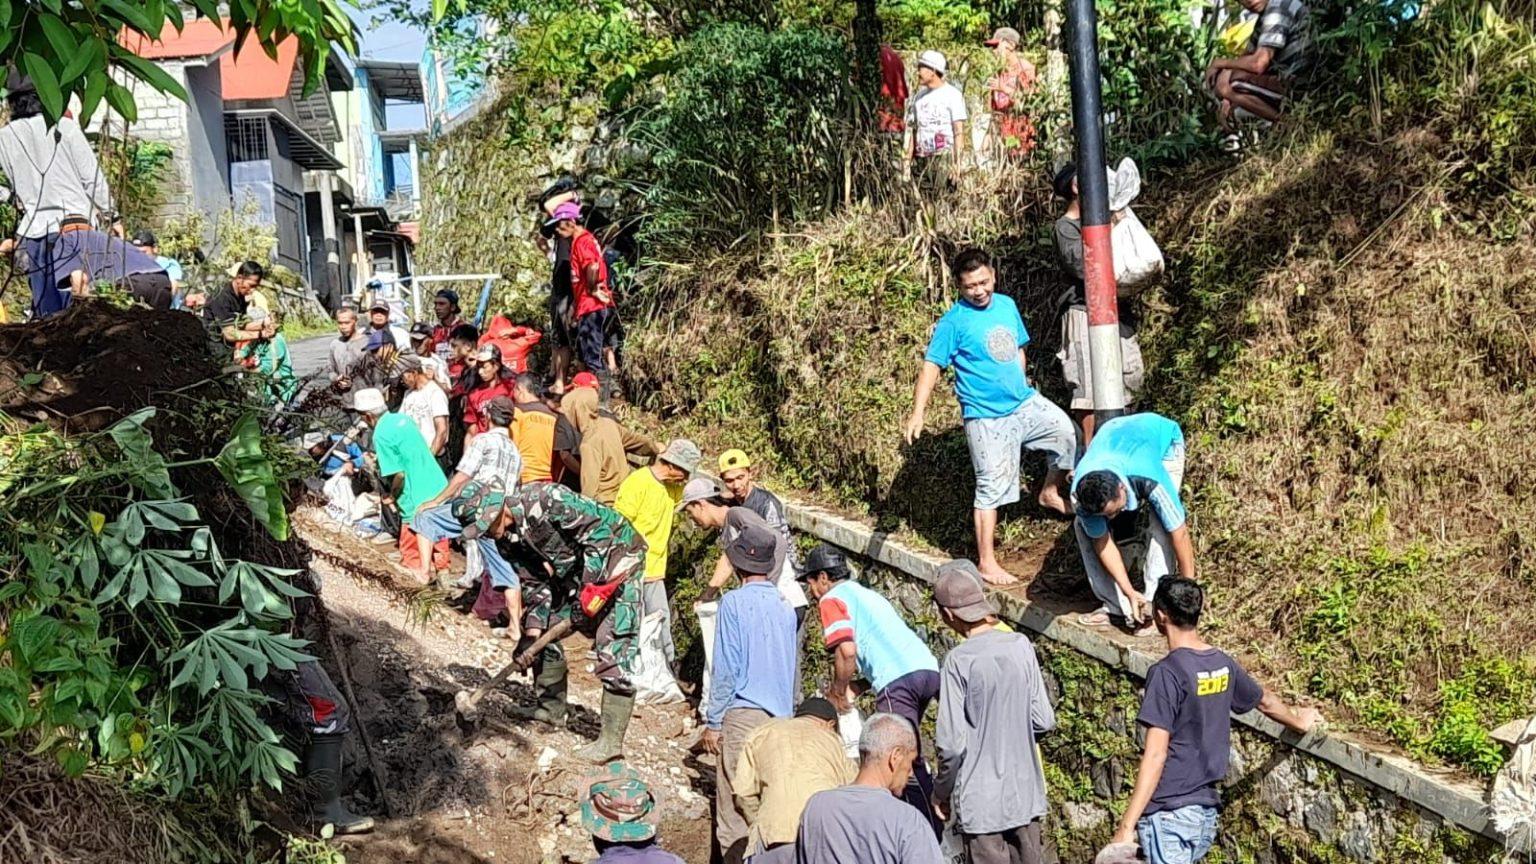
(1286, 29)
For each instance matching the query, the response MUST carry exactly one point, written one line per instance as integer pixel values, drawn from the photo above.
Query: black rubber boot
(322, 769)
(609, 745)
(551, 684)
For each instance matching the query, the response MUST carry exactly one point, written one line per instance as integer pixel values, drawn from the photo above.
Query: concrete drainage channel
(1285, 794)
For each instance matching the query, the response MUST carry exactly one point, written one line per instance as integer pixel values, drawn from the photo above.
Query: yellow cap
(732, 459)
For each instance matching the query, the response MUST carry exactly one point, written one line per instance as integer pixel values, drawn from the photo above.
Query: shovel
(466, 705)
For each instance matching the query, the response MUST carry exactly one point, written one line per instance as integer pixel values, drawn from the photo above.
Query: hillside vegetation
(1343, 330)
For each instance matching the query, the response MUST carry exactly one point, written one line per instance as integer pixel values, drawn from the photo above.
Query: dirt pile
(94, 363)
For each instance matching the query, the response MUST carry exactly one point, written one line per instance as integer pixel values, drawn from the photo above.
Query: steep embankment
(1342, 331)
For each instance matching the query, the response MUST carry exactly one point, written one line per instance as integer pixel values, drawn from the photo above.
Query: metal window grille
(248, 139)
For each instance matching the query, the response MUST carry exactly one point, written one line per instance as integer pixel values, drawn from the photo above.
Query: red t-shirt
(893, 91)
(474, 405)
(585, 251)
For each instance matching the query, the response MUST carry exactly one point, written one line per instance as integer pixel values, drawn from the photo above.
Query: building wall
(207, 152)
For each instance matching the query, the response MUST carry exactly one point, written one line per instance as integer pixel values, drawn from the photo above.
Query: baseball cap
(617, 806)
(449, 294)
(567, 210)
(421, 330)
(682, 453)
(958, 589)
(368, 401)
(145, 237)
(699, 489)
(1005, 34)
(933, 60)
(751, 551)
(817, 707)
(823, 558)
(379, 306)
(499, 410)
(378, 339)
(488, 354)
(584, 379)
(733, 459)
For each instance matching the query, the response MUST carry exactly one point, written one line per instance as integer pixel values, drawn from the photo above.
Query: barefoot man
(983, 338)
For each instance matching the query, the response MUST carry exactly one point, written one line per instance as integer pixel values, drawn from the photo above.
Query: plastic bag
(1137, 257)
(654, 684)
(707, 613)
(850, 724)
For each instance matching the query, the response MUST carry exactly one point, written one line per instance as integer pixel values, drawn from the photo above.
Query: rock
(547, 757)
(581, 134)
(1083, 817)
(1321, 817)
(1278, 788)
(1107, 778)
(1358, 840)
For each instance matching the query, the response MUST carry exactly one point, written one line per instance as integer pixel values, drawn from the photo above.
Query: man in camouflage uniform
(596, 563)
(620, 812)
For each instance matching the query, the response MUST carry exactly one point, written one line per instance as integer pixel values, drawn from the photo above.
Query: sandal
(1099, 618)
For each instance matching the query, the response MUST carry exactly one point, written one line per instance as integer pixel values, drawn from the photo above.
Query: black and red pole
(1093, 194)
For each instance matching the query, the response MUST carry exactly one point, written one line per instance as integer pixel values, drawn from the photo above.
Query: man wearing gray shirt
(990, 781)
(865, 822)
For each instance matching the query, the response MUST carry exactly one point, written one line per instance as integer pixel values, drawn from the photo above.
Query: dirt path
(506, 793)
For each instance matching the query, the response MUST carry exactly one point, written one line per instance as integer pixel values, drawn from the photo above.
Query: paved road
(310, 355)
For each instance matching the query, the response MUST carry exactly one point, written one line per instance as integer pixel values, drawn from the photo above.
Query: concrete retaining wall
(1324, 797)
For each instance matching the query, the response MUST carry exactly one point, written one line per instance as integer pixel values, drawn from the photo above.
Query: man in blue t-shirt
(1132, 461)
(1187, 710)
(983, 338)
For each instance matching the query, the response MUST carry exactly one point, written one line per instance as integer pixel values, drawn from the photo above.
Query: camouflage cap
(476, 508)
(617, 806)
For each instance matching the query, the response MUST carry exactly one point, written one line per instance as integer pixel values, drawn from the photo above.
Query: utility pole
(1093, 193)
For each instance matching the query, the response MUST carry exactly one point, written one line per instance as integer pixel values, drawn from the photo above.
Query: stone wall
(1284, 802)
(1281, 806)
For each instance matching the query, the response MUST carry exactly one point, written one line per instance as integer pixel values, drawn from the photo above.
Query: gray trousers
(653, 597)
(1019, 845)
(730, 823)
(1160, 558)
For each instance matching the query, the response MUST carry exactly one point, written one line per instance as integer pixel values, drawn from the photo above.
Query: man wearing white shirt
(936, 115)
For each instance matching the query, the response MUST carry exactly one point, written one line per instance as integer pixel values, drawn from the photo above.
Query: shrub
(751, 130)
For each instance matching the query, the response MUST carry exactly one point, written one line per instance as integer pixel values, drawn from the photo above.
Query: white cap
(933, 60)
(368, 401)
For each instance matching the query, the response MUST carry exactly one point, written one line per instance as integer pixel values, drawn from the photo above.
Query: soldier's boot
(550, 685)
(609, 745)
(322, 769)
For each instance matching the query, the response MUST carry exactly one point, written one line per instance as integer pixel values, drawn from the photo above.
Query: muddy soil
(507, 791)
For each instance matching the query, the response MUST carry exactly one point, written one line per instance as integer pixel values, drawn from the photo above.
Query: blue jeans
(1181, 836)
(438, 524)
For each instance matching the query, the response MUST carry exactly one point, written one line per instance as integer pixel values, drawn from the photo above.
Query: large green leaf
(130, 433)
(246, 466)
(152, 75)
(46, 82)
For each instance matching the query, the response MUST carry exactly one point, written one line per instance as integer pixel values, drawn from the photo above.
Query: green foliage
(133, 644)
(1488, 693)
(245, 465)
(137, 172)
(932, 22)
(74, 49)
(751, 132)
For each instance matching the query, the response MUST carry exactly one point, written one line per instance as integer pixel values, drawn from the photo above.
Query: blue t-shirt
(1133, 448)
(1193, 695)
(983, 346)
(172, 268)
(888, 649)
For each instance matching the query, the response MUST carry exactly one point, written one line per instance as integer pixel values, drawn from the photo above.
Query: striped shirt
(1286, 29)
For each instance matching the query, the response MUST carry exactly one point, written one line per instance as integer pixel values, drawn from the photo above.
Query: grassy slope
(1347, 349)
(1342, 332)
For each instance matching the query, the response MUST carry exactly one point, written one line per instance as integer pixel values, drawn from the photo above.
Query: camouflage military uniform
(586, 543)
